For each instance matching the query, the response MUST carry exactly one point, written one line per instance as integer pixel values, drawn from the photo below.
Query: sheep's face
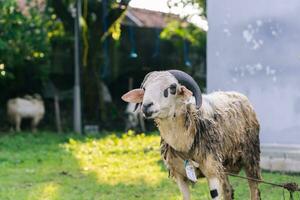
(159, 96)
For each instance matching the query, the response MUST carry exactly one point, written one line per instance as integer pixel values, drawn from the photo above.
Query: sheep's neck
(174, 132)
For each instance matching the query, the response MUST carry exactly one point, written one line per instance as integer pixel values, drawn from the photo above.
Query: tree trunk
(94, 110)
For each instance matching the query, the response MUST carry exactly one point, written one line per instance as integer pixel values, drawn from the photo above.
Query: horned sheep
(219, 134)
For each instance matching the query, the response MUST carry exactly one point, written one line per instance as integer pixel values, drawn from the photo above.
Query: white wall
(254, 47)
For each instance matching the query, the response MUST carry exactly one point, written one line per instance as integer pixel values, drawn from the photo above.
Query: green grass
(112, 166)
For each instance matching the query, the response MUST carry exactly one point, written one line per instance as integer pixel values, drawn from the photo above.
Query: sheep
(216, 135)
(134, 118)
(27, 107)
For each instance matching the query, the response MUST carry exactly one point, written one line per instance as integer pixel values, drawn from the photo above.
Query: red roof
(148, 18)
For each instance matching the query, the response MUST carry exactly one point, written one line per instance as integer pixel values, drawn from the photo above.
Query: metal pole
(77, 96)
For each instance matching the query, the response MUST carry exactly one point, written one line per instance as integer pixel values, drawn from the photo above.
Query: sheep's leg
(254, 191)
(34, 123)
(253, 172)
(218, 182)
(215, 188)
(220, 188)
(18, 121)
(227, 188)
(183, 187)
(252, 167)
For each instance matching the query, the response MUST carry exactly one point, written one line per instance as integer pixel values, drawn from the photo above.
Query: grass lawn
(48, 166)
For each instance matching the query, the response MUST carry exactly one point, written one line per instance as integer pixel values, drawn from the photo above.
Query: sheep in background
(27, 107)
(134, 118)
(218, 134)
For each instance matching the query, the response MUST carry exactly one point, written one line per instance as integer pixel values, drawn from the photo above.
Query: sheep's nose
(146, 107)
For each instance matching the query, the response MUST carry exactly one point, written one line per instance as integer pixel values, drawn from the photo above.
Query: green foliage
(25, 35)
(106, 166)
(196, 3)
(183, 31)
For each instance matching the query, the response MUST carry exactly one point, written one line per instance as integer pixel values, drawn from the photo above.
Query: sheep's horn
(186, 80)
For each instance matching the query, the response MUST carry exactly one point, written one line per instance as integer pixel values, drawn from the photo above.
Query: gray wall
(254, 47)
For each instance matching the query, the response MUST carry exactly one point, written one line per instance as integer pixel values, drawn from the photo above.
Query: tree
(185, 32)
(92, 31)
(26, 30)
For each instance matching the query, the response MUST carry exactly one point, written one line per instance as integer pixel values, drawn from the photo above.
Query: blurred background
(119, 42)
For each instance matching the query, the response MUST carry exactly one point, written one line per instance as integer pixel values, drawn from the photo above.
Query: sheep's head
(162, 92)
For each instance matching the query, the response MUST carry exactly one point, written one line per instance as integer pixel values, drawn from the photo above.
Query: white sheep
(219, 134)
(134, 118)
(27, 107)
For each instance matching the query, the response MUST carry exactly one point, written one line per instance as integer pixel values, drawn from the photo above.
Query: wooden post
(130, 83)
(57, 113)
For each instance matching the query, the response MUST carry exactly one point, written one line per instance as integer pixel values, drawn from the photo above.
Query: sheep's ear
(134, 96)
(185, 92)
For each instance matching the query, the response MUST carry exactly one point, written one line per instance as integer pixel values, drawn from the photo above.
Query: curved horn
(186, 80)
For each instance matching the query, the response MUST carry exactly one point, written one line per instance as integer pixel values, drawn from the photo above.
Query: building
(253, 48)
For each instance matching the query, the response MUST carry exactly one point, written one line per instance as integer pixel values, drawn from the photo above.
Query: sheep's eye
(173, 88)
